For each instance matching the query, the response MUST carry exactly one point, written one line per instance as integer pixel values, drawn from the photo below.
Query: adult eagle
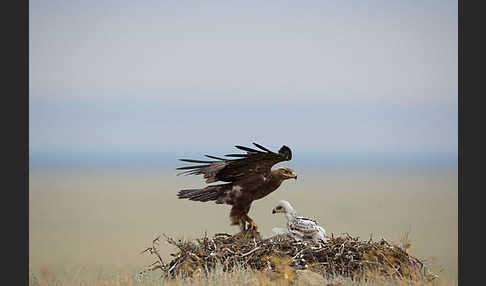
(249, 177)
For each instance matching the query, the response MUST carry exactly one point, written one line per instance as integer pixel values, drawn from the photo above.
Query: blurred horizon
(169, 161)
(154, 132)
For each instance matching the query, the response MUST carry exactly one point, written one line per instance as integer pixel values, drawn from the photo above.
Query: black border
(470, 121)
(15, 137)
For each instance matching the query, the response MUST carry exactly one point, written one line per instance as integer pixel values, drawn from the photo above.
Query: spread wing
(303, 226)
(230, 169)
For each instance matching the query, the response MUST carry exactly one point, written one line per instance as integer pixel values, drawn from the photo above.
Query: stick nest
(283, 256)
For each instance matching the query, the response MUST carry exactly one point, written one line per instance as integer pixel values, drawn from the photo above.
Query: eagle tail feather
(210, 193)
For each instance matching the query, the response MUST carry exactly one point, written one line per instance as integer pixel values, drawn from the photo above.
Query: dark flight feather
(286, 152)
(248, 149)
(195, 161)
(236, 155)
(192, 167)
(213, 157)
(263, 148)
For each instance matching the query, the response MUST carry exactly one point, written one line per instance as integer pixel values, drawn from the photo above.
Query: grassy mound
(281, 258)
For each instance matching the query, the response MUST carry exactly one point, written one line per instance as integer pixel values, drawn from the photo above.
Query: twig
(250, 252)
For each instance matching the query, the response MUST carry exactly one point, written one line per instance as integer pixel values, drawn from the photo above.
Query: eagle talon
(252, 226)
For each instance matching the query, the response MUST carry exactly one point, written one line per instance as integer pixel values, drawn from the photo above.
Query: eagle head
(283, 207)
(285, 173)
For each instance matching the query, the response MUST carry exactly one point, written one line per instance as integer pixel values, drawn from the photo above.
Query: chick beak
(273, 211)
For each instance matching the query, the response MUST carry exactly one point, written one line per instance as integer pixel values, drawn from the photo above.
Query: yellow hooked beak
(275, 210)
(292, 175)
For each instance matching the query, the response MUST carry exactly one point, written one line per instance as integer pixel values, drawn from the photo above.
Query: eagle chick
(300, 227)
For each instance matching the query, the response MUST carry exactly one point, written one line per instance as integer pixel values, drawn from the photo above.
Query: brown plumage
(249, 177)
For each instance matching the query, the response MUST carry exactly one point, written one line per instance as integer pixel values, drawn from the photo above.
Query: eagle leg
(246, 225)
(251, 223)
(249, 232)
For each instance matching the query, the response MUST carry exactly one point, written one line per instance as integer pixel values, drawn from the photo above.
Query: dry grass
(90, 225)
(239, 276)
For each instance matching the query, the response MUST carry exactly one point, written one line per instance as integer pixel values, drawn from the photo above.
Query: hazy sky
(347, 77)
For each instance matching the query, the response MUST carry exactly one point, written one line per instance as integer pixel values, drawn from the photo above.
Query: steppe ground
(90, 225)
